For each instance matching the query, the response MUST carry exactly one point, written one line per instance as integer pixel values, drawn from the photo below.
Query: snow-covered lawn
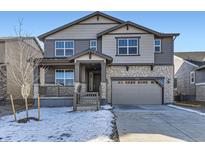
(59, 124)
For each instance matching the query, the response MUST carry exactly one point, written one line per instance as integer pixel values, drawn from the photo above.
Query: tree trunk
(26, 103)
(13, 107)
(38, 107)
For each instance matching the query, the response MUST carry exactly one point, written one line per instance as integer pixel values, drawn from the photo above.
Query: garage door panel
(136, 92)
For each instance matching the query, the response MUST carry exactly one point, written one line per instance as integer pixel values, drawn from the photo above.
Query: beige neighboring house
(189, 76)
(101, 58)
(9, 47)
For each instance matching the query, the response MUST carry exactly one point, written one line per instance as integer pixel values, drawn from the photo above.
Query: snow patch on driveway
(59, 124)
(188, 110)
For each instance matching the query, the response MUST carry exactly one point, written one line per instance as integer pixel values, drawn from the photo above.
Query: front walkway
(159, 123)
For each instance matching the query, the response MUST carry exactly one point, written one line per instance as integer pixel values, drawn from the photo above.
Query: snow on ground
(59, 124)
(106, 107)
(186, 109)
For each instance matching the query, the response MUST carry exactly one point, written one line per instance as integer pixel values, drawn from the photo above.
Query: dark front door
(94, 81)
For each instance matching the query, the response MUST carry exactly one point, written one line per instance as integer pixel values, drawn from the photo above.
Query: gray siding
(49, 48)
(200, 76)
(167, 54)
(182, 73)
(50, 76)
(79, 46)
(200, 93)
(109, 47)
(87, 31)
(2, 52)
(99, 45)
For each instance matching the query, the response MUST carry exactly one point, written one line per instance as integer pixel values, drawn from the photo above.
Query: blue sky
(191, 25)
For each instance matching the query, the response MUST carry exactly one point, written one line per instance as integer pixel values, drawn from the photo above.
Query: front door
(91, 78)
(94, 81)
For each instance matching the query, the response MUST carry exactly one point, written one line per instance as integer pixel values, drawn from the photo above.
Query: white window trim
(127, 46)
(64, 48)
(160, 46)
(64, 76)
(190, 76)
(93, 46)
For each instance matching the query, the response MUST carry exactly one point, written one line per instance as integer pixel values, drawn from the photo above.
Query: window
(157, 45)
(192, 77)
(175, 83)
(93, 44)
(64, 77)
(64, 48)
(128, 46)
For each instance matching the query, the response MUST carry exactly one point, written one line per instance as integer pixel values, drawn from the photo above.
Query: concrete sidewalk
(158, 123)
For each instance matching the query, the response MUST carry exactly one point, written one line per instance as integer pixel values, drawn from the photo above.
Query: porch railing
(56, 91)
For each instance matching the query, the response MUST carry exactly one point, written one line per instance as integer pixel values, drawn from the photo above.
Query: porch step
(91, 105)
(81, 107)
(88, 101)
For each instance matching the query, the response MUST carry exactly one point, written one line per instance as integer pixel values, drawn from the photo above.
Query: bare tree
(22, 58)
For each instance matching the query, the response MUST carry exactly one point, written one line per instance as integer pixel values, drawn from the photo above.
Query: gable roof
(195, 56)
(184, 60)
(202, 67)
(198, 63)
(42, 37)
(90, 51)
(137, 26)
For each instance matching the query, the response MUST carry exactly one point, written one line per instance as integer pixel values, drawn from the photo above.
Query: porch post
(103, 81)
(76, 84)
(82, 75)
(42, 76)
(36, 78)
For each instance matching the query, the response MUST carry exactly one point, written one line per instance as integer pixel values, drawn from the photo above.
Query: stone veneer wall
(200, 93)
(166, 71)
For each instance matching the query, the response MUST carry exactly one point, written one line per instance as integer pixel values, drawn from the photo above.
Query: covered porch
(90, 79)
(81, 79)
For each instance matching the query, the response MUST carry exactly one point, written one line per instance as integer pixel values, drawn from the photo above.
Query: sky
(190, 25)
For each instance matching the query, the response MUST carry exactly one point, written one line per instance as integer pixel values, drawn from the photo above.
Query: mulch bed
(25, 120)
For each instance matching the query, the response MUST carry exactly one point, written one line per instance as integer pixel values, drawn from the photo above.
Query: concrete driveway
(152, 123)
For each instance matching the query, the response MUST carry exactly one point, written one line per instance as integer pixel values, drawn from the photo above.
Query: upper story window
(175, 83)
(93, 44)
(157, 45)
(192, 77)
(64, 77)
(128, 46)
(64, 48)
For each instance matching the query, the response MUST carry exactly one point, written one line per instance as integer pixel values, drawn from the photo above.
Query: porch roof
(90, 52)
(70, 60)
(54, 61)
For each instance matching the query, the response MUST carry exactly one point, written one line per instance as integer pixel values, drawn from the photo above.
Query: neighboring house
(125, 62)
(9, 47)
(189, 76)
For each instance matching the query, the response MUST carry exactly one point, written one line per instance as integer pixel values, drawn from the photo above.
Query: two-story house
(125, 63)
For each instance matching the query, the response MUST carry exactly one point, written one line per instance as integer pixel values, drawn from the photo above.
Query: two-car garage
(136, 92)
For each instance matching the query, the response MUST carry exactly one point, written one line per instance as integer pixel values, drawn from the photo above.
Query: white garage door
(135, 92)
